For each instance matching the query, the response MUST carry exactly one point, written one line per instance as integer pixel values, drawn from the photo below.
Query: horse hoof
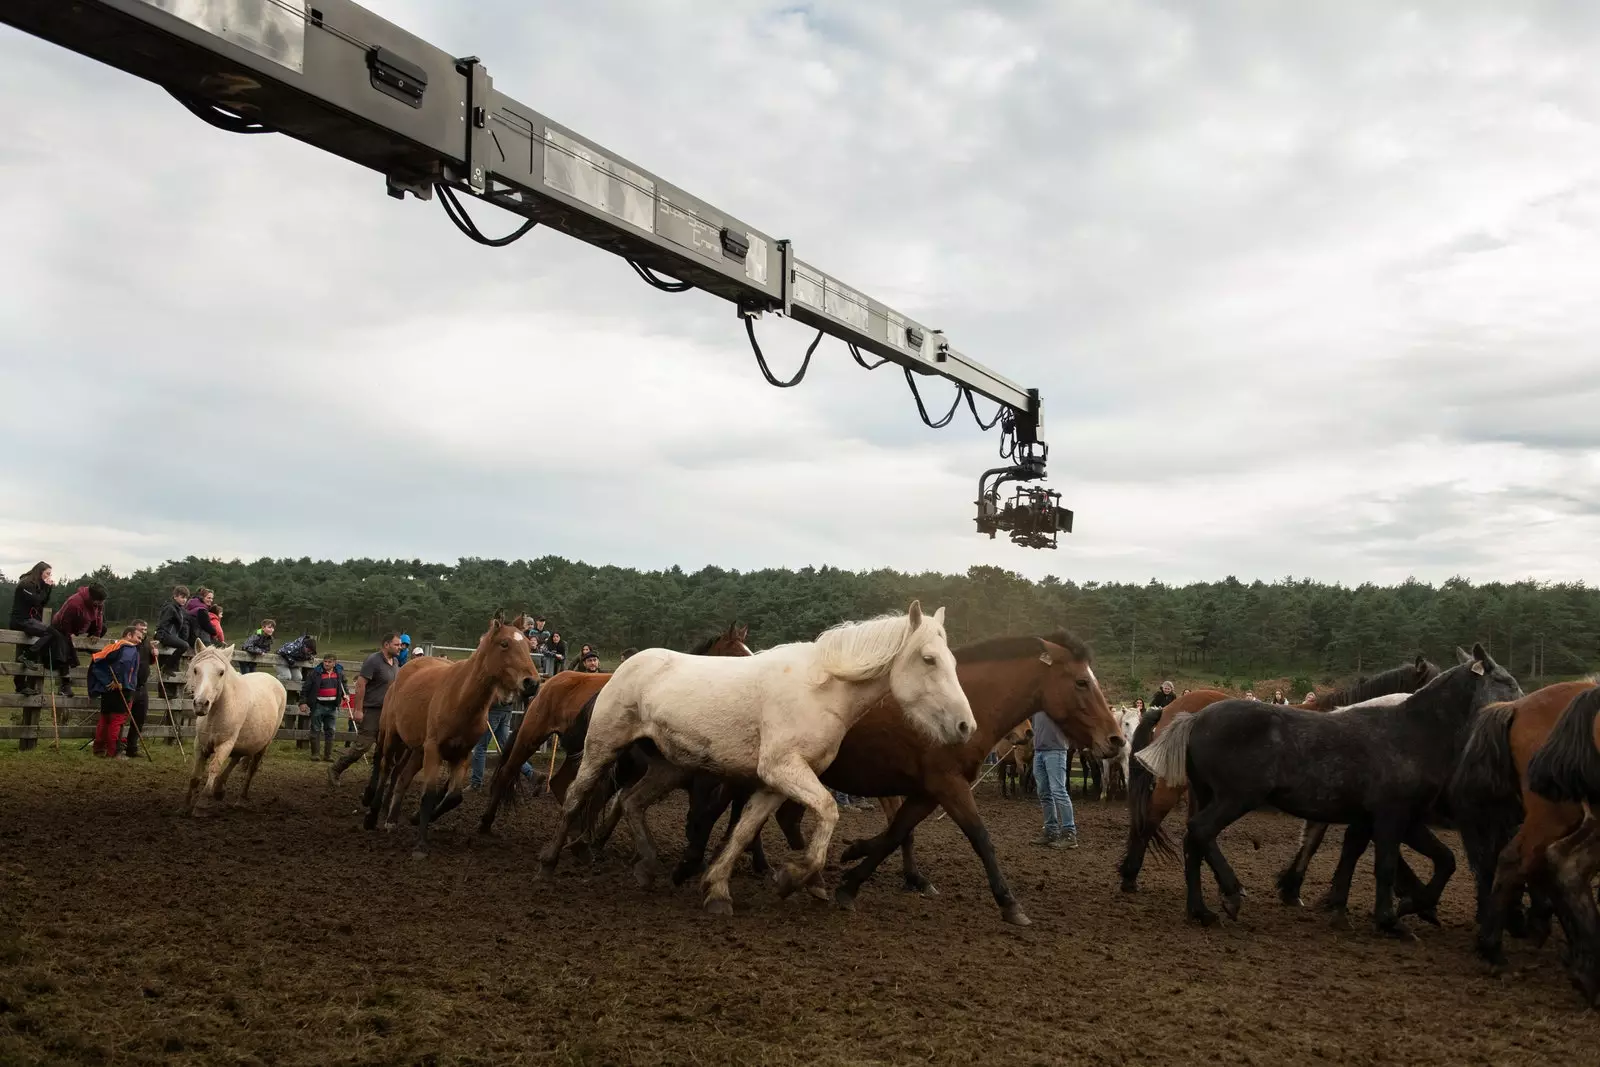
(1013, 915)
(1296, 902)
(419, 854)
(1339, 919)
(646, 873)
(1206, 917)
(1130, 886)
(786, 881)
(1232, 904)
(1397, 932)
(718, 906)
(930, 891)
(546, 871)
(844, 899)
(1328, 902)
(581, 852)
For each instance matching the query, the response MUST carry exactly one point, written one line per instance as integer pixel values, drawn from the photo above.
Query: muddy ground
(285, 934)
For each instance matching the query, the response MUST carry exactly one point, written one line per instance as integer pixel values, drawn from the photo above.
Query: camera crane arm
(338, 77)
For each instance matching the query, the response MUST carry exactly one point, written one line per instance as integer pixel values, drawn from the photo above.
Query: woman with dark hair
(28, 602)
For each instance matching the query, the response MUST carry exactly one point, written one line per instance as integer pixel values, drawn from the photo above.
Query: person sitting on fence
(296, 654)
(259, 644)
(113, 676)
(28, 601)
(83, 615)
(139, 705)
(215, 611)
(199, 611)
(556, 650)
(322, 690)
(500, 713)
(173, 628)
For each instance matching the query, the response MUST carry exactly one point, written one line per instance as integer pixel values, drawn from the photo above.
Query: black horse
(1379, 771)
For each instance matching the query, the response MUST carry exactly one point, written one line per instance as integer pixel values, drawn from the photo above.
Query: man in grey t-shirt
(366, 706)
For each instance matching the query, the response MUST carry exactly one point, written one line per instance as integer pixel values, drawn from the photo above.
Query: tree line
(1224, 628)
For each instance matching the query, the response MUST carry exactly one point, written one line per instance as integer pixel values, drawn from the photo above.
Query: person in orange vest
(113, 677)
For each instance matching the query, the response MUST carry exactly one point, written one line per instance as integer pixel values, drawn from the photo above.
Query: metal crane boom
(336, 76)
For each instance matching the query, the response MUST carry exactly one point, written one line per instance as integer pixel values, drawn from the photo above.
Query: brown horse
(562, 708)
(1006, 680)
(434, 713)
(1492, 794)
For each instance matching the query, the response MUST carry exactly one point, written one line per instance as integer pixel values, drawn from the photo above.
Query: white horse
(1128, 722)
(777, 716)
(236, 717)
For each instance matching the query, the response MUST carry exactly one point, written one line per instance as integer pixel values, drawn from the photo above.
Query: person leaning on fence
(28, 601)
(259, 644)
(173, 629)
(83, 615)
(296, 654)
(113, 676)
(322, 690)
(377, 672)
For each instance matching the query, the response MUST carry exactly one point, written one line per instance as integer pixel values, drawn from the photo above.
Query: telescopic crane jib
(334, 75)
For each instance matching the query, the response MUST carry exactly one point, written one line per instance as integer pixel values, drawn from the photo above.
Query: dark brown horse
(1507, 827)
(1006, 680)
(433, 715)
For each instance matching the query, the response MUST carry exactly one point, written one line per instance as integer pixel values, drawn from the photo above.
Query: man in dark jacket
(1164, 696)
(173, 629)
(83, 615)
(322, 689)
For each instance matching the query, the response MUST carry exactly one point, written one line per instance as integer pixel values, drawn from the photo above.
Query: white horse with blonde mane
(236, 717)
(777, 716)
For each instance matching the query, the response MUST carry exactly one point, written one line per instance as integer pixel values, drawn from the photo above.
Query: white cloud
(1306, 292)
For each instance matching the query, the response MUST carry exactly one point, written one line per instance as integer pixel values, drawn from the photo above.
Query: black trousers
(139, 708)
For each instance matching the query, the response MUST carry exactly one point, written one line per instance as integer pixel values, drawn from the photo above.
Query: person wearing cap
(405, 650)
(591, 662)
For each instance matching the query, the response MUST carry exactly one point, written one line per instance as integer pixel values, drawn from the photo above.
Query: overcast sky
(1309, 289)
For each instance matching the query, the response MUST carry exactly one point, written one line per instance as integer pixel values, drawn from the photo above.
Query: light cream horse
(236, 717)
(777, 717)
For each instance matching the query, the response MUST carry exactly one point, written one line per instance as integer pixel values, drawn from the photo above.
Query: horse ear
(914, 614)
(744, 632)
(1480, 659)
(1462, 655)
(938, 616)
(1422, 663)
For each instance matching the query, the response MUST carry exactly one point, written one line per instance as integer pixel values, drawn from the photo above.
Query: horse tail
(1167, 757)
(1141, 794)
(1485, 792)
(1566, 769)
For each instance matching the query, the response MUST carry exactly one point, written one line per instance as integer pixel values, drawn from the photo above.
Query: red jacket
(80, 615)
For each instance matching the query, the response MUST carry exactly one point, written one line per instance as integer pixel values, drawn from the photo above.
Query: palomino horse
(563, 708)
(434, 713)
(1114, 769)
(236, 717)
(1014, 756)
(1505, 826)
(778, 716)
(1149, 800)
(1382, 769)
(1006, 680)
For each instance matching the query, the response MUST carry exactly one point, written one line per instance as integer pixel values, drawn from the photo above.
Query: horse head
(922, 677)
(1494, 682)
(504, 654)
(1071, 695)
(731, 642)
(207, 676)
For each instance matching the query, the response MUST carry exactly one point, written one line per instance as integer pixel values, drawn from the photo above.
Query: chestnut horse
(1566, 770)
(434, 714)
(1006, 680)
(562, 709)
(1506, 826)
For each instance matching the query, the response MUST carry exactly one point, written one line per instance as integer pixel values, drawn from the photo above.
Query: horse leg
(957, 799)
(1521, 864)
(459, 775)
(914, 881)
(250, 769)
(1144, 828)
(1573, 862)
(1387, 829)
(601, 750)
(405, 766)
(708, 799)
(216, 770)
(433, 789)
(793, 777)
(1423, 900)
(1292, 877)
(873, 850)
(200, 757)
(718, 900)
(1336, 901)
(661, 779)
(1212, 815)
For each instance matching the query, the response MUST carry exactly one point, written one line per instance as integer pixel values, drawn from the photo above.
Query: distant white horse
(1128, 720)
(777, 716)
(236, 717)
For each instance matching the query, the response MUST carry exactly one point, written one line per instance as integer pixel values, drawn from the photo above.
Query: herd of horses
(885, 708)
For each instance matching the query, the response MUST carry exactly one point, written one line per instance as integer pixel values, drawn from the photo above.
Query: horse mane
(1394, 680)
(1003, 648)
(862, 651)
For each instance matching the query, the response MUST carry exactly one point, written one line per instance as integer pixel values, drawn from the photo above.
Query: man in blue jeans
(1050, 771)
(500, 726)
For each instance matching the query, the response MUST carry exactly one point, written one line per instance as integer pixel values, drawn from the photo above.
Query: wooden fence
(170, 706)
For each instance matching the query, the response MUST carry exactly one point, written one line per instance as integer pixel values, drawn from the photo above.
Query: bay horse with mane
(1518, 799)
(1006, 680)
(563, 709)
(778, 716)
(1382, 769)
(434, 714)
